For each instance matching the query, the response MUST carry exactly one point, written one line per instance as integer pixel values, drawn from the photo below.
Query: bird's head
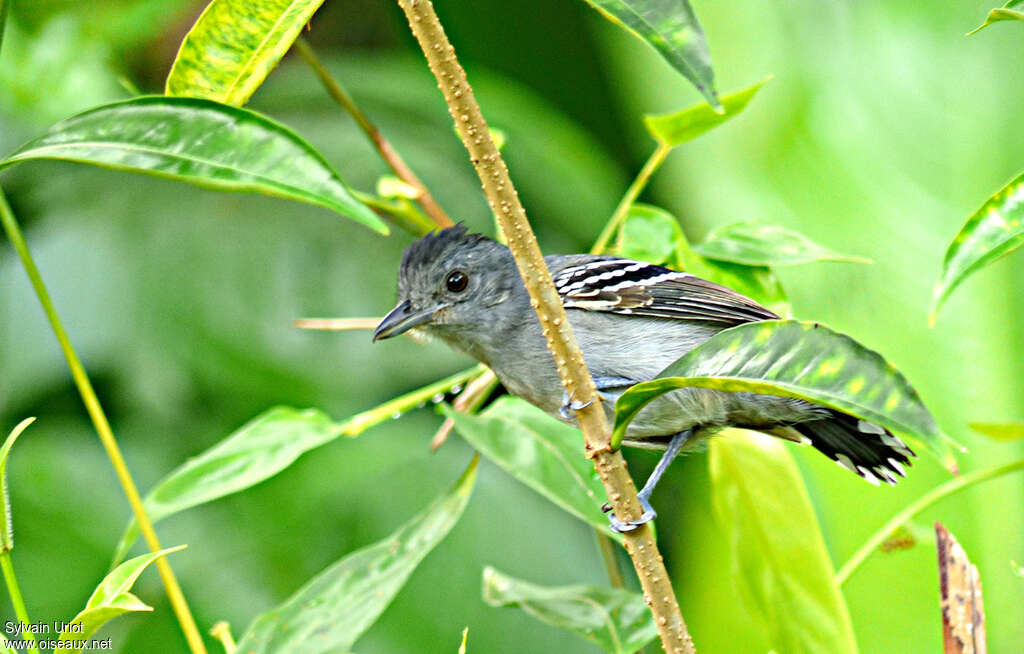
(447, 283)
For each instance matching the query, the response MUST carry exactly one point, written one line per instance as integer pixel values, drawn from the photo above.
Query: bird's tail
(862, 447)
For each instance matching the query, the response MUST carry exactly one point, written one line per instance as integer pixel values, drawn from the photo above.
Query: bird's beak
(401, 319)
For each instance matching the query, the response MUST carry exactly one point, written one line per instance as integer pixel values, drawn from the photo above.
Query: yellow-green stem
(222, 632)
(19, 604)
(925, 501)
(387, 153)
(102, 425)
(632, 193)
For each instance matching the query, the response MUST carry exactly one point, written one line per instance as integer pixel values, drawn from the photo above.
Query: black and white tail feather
(624, 286)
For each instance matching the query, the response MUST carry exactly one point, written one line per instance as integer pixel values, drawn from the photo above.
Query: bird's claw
(622, 526)
(570, 406)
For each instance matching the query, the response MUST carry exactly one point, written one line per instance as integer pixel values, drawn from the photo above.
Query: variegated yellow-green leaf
(802, 360)
(1007, 431)
(775, 547)
(995, 230)
(671, 27)
(202, 143)
(757, 244)
(1006, 12)
(234, 45)
(618, 621)
(678, 128)
(110, 599)
(333, 609)
(7, 535)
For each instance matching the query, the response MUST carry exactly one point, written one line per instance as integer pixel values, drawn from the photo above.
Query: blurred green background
(883, 129)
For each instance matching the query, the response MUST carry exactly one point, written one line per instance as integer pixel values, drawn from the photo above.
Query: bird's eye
(457, 281)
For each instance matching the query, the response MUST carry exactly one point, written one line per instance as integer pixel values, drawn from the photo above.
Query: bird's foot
(622, 526)
(571, 406)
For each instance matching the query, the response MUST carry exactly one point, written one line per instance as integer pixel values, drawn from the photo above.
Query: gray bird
(631, 319)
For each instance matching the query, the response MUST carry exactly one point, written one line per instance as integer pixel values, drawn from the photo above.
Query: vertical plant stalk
(222, 632)
(609, 464)
(387, 153)
(106, 434)
(16, 600)
(632, 193)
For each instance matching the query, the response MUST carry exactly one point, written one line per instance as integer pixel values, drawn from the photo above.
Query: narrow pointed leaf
(671, 28)
(678, 128)
(757, 244)
(541, 452)
(797, 359)
(1009, 431)
(995, 230)
(1006, 12)
(7, 535)
(330, 612)
(617, 621)
(202, 143)
(775, 546)
(111, 598)
(234, 45)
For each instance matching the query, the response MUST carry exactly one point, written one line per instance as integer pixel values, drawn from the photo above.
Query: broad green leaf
(1011, 431)
(1003, 13)
(541, 452)
(234, 45)
(202, 143)
(757, 244)
(678, 128)
(758, 283)
(7, 535)
(617, 621)
(330, 612)
(650, 234)
(111, 599)
(671, 28)
(775, 546)
(796, 359)
(995, 230)
(265, 446)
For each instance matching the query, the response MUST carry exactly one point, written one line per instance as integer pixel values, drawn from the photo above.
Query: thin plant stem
(106, 434)
(337, 324)
(632, 193)
(568, 358)
(928, 499)
(19, 604)
(387, 153)
(222, 632)
(611, 563)
(472, 398)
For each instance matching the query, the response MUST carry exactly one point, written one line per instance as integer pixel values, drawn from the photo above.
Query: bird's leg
(570, 405)
(644, 495)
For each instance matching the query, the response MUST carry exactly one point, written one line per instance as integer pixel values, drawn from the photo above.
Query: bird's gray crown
(439, 246)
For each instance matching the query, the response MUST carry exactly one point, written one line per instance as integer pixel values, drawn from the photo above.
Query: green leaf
(111, 599)
(7, 535)
(1011, 431)
(757, 244)
(260, 449)
(234, 45)
(202, 143)
(651, 234)
(758, 283)
(796, 359)
(541, 452)
(776, 549)
(995, 230)
(5, 6)
(330, 612)
(617, 621)
(671, 27)
(678, 128)
(1003, 13)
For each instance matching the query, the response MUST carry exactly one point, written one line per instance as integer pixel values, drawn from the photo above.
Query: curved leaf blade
(776, 548)
(651, 234)
(203, 143)
(111, 599)
(671, 28)
(615, 620)
(1002, 13)
(802, 360)
(758, 244)
(995, 230)
(539, 451)
(7, 535)
(678, 128)
(330, 612)
(234, 45)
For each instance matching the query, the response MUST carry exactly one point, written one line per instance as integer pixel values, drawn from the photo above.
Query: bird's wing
(630, 287)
